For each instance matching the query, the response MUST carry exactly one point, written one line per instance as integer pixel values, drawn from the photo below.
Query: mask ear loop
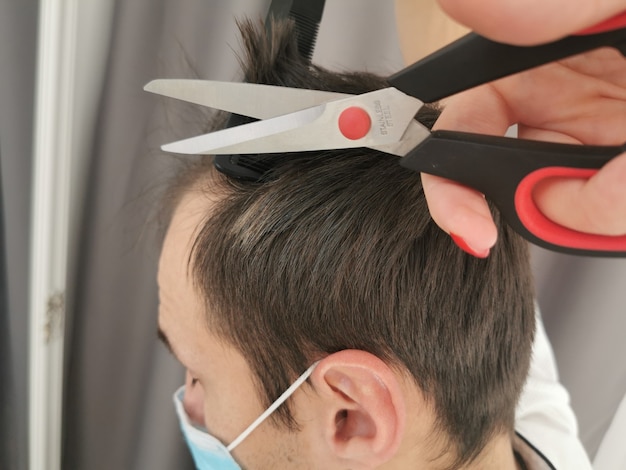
(279, 401)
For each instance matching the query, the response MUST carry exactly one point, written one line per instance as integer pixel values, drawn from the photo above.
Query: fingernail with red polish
(462, 244)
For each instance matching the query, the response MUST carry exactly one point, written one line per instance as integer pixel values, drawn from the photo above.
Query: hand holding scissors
(505, 170)
(592, 85)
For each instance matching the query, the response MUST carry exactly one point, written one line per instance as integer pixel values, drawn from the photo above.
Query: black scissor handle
(506, 170)
(473, 60)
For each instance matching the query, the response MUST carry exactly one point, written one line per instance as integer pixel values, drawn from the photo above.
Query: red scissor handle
(545, 229)
(616, 22)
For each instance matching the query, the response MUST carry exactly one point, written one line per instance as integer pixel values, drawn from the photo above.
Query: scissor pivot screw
(354, 123)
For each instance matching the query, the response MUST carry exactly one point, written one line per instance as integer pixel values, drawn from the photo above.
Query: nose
(193, 401)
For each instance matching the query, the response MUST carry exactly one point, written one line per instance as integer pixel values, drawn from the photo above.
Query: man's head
(423, 349)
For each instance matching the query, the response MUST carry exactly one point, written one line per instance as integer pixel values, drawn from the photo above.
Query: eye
(193, 381)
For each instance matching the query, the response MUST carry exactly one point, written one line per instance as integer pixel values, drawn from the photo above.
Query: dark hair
(336, 250)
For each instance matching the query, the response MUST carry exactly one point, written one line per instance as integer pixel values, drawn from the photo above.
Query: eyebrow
(165, 340)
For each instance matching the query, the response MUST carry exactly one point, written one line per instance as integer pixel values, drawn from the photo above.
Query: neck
(422, 447)
(497, 455)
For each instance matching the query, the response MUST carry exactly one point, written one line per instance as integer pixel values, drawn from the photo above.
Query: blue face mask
(207, 451)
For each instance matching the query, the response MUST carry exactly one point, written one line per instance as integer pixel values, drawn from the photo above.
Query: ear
(363, 411)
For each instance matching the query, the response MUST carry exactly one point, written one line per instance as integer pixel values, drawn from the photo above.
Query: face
(220, 388)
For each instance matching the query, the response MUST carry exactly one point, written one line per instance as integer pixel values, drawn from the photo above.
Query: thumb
(597, 205)
(531, 21)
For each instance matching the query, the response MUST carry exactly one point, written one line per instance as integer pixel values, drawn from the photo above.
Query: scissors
(504, 169)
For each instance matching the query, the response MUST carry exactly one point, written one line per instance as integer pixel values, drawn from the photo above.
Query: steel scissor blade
(247, 99)
(256, 136)
(316, 128)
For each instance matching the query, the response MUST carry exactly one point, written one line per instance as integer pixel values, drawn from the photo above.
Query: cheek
(193, 401)
(217, 417)
(228, 409)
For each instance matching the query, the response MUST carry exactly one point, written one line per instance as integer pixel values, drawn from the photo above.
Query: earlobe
(364, 407)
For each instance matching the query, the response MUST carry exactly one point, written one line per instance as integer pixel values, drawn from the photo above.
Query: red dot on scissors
(354, 123)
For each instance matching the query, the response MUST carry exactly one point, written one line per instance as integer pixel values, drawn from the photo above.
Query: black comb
(307, 15)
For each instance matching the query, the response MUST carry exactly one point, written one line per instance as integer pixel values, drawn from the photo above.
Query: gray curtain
(18, 41)
(7, 420)
(118, 411)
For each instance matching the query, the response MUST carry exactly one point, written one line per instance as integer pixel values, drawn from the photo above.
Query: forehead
(181, 310)
(181, 234)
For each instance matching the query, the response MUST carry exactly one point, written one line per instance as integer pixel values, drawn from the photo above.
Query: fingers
(597, 205)
(481, 110)
(530, 21)
(461, 212)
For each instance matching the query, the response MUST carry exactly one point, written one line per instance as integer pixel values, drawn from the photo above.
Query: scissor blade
(247, 136)
(247, 99)
(390, 112)
(415, 134)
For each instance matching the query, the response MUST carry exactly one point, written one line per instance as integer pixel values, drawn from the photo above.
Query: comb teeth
(241, 167)
(244, 167)
(307, 34)
(252, 163)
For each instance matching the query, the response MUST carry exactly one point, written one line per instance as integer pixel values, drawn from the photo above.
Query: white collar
(530, 455)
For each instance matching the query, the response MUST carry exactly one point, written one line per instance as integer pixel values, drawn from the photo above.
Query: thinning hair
(336, 250)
